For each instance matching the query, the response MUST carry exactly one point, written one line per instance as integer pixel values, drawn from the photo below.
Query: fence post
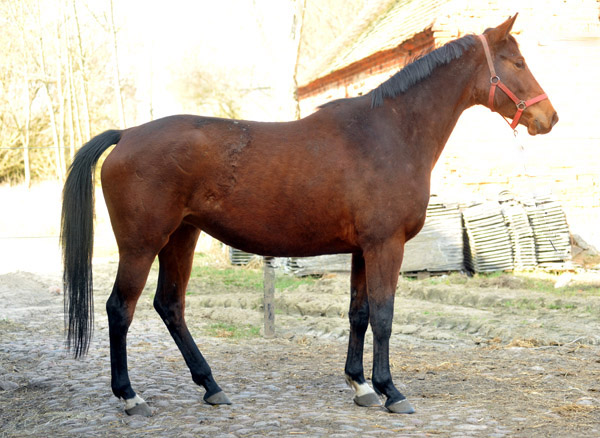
(269, 295)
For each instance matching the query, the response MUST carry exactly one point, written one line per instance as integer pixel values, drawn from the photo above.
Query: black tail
(77, 240)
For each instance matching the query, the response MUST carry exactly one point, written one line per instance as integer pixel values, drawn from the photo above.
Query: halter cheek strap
(495, 82)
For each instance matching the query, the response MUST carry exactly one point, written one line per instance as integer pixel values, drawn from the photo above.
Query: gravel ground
(471, 366)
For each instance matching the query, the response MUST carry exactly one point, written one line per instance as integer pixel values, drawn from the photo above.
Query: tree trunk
(299, 8)
(117, 76)
(87, 123)
(26, 136)
(50, 106)
(25, 132)
(60, 93)
(73, 123)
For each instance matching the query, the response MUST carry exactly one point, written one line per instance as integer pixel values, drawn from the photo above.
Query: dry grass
(425, 367)
(574, 410)
(524, 343)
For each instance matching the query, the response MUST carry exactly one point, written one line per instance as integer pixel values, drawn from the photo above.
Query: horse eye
(520, 64)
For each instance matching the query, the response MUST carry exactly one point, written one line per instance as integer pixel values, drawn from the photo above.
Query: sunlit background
(71, 69)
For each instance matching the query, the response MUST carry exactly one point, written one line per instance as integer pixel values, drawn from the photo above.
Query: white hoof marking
(360, 389)
(132, 402)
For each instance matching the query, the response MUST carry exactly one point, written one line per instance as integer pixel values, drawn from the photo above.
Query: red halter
(496, 82)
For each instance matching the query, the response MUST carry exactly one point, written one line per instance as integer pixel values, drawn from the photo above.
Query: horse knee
(382, 330)
(358, 314)
(381, 325)
(381, 319)
(359, 319)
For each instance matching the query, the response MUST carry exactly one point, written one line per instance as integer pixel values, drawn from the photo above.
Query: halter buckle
(522, 105)
(494, 79)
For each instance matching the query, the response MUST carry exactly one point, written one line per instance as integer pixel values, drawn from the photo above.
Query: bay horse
(353, 177)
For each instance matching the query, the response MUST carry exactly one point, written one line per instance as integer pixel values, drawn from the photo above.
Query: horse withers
(353, 177)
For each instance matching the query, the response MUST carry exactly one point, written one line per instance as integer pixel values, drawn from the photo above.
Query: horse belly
(276, 228)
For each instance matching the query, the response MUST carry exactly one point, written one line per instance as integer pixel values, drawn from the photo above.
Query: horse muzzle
(542, 122)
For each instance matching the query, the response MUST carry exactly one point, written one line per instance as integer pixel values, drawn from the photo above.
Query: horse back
(295, 188)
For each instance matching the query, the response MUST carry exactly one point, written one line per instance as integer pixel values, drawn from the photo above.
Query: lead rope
(539, 216)
(495, 82)
(521, 151)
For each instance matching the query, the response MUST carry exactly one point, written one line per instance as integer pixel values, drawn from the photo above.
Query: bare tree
(324, 21)
(46, 81)
(296, 35)
(211, 91)
(83, 75)
(54, 91)
(21, 113)
(117, 73)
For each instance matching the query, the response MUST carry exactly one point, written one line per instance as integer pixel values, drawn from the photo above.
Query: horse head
(522, 99)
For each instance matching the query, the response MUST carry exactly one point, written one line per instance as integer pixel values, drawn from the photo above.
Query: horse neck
(434, 105)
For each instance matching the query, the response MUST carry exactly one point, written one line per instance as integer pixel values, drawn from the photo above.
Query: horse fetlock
(359, 387)
(363, 393)
(202, 376)
(386, 388)
(123, 392)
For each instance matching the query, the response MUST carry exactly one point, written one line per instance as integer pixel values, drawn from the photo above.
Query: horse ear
(501, 32)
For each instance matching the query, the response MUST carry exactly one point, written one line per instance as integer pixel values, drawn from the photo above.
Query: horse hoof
(401, 407)
(217, 399)
(367, 400)
(140, 409)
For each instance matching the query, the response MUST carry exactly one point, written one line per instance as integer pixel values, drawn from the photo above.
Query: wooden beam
(269, 298)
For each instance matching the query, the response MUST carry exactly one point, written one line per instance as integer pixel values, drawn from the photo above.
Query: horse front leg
(359, 321)
(382, 271)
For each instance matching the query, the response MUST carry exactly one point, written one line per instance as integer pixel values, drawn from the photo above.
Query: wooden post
(269, 295)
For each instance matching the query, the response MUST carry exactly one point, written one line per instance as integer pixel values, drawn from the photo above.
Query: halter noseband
(496, 82)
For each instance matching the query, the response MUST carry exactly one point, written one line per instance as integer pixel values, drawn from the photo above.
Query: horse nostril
(554, 119)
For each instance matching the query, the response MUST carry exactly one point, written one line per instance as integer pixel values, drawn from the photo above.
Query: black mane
(420, 69)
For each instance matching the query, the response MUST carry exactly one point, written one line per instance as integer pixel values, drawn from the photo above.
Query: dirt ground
(476, 357)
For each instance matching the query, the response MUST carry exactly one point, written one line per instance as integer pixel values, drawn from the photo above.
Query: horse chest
(398, 209)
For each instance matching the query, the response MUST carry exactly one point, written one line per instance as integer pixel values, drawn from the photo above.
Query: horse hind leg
(176, 260)
(359, 321)
(131, 278)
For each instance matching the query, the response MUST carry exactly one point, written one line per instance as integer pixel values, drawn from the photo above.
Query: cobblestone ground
(289, 386)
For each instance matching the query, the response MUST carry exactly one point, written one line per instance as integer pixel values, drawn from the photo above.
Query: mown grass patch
(245, 278)
(545, 282)
(232, 331)
(538, 281)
